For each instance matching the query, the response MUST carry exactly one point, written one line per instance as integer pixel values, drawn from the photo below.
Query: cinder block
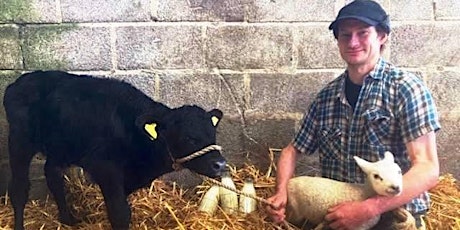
(10, 49)
(447, 9)
(411, 10)
(66, 47)
(249, 47)
(210, 91)
(200, 10)
(317, 48)
(415, 45)
(105, 10)
(265, 134)
(250, 143)
(6, 78)
(21, 11)
(444, 86)
(162, 47)
(230, 136)
(38, 187)
(449, 147)
(145, 82)
(4, 177)
(286, 93)
(291, 10)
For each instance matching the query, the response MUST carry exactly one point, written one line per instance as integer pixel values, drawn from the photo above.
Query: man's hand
(349, 215)
(277, 210)
(286, 167)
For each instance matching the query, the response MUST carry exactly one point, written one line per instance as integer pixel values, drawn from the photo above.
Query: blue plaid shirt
(393, 108)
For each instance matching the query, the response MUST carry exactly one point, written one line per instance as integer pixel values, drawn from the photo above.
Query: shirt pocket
(377, 125)
(330, 143)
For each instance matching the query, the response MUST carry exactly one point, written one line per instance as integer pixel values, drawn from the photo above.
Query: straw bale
(167, 206)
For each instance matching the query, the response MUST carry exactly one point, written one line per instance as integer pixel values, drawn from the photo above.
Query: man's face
(359, 44)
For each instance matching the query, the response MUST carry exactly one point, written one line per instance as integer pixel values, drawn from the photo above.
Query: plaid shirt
(393, 108)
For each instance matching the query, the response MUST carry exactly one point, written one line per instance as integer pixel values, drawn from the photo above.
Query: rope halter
(177, 162)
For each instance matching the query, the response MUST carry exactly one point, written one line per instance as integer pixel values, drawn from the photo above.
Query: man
(369, 109)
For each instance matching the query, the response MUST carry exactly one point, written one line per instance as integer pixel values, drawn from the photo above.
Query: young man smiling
(371, 108)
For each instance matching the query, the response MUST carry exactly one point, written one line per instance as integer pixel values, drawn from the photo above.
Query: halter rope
(177, 162)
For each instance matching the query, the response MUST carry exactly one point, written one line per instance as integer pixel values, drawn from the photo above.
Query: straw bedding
(445, 205)
(166, 206)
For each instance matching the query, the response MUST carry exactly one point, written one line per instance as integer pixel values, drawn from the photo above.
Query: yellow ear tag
(214, 120)
(150, 128)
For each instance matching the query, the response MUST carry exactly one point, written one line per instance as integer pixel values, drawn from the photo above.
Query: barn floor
(165, 206)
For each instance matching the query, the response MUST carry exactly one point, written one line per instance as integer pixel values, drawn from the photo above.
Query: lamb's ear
(216, 116)
(389, 156)
(366, 166)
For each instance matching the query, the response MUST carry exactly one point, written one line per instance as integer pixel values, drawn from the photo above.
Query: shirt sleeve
(304, 140)
(417, 110)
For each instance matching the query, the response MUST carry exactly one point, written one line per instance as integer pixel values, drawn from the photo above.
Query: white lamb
(309, 198)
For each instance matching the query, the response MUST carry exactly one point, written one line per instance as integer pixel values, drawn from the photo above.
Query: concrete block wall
(260, 61)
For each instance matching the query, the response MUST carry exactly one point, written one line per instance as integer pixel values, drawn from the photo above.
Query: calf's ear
(216, 116)
(151, 130)
(148, 125)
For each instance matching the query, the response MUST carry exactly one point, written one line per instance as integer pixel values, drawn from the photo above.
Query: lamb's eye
(377, 177)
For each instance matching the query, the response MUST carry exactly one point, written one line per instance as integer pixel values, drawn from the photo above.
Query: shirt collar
(377, 72)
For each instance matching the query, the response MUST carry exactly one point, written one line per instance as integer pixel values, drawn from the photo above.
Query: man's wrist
(374, 205)
(281, 189)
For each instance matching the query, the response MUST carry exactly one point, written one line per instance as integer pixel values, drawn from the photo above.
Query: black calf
(117, 134)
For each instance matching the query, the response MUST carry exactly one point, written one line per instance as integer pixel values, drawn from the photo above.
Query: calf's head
(188, 129)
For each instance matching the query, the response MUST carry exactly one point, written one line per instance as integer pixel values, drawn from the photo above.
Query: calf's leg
(20, 156)
(109, 177)
(55, 182)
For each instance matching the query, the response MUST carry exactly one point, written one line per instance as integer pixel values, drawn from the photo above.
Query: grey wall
(260, 61)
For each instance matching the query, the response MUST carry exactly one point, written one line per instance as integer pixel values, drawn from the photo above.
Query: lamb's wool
(309, 198)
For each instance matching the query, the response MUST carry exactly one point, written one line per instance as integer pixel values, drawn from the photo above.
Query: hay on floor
(166, 206)
(162, 206)
(444, 211)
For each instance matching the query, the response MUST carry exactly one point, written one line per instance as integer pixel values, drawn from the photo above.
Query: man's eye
(344, 37)
(363, 33)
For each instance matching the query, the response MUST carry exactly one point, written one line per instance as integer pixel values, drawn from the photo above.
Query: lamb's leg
(323, 225)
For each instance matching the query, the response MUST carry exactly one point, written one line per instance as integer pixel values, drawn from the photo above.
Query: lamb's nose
(396, 188)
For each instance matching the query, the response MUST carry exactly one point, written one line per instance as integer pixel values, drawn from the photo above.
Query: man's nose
(354, 40)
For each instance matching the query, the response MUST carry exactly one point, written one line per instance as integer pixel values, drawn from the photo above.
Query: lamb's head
(384, 176)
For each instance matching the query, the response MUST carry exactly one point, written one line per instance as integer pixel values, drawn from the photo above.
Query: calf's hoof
(69, 220)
